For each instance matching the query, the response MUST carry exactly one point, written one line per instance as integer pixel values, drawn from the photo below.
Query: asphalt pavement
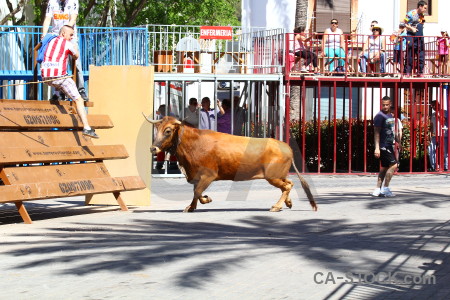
(354, 247)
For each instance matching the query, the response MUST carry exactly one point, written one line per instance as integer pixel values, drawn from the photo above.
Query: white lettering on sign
(216, 32)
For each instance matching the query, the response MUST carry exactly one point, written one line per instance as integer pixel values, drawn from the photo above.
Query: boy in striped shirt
(54, 67)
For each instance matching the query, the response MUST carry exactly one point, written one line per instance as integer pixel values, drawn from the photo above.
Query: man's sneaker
(91, 133)
(377, 193)
(387, 192)
(83, 95)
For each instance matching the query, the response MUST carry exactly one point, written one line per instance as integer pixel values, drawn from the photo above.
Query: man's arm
(45, 26)
(72, 20)
(377, 141)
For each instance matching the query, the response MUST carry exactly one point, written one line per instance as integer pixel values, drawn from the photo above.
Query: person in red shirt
(54, 68)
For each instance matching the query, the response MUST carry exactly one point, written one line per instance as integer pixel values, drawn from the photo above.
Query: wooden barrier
(43, 155)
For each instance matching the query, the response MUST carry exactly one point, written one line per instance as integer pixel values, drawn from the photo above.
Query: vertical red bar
(334, 128)
(319, 128)
(439, 131)
(287, 61)
(287, 116)
(365, 126)
(426, 133)
(350, 95)
(411, 128)
(303, 109)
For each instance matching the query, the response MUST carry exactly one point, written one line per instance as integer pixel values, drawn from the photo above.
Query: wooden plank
(35, 174)
(15, 120)
(23, 212)
(44, 138)
(47, 190)
(40, 107)
(28, 155)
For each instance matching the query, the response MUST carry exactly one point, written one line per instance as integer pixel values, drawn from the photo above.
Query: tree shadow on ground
(158, 243)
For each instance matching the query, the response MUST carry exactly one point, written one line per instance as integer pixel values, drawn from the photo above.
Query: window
(341, 11)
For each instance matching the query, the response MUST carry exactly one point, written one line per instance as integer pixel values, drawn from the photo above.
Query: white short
(66, 85)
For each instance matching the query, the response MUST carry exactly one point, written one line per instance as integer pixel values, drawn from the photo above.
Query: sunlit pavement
(354, 247)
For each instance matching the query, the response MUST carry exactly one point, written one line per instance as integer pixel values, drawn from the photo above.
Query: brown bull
(205, 156)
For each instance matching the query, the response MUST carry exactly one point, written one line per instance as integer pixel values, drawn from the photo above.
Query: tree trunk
(301, 13)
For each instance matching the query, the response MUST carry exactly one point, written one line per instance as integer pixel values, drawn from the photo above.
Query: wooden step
(47, 190)
(46, 173)
(44, 138)
(29, 155)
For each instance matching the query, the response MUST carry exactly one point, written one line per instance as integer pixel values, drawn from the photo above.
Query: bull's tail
(306, 188)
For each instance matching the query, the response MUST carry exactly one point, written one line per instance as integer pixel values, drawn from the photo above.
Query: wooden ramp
(43, 155)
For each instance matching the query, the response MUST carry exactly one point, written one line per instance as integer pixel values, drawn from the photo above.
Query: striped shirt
(55, 58)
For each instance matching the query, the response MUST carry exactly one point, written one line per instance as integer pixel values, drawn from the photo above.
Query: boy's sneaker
(91, 133)
(303, 70)
(387, 192)
(83, 95)
(377, 193)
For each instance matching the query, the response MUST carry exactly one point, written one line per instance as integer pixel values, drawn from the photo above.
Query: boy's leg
(68, 86)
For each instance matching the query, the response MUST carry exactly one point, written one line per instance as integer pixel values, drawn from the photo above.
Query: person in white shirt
(191, 113)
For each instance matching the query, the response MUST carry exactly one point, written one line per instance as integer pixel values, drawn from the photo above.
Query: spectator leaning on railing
(414, 21)
(443, 44)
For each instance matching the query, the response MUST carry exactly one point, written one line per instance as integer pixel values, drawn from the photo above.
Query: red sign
(216, 32)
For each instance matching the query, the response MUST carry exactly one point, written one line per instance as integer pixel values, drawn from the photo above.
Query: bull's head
(166, 138)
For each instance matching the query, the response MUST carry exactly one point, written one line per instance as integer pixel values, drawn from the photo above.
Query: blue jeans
(365, 57)
(334, 52)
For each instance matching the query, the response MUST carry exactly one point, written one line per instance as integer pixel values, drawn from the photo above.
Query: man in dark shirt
(384, 125)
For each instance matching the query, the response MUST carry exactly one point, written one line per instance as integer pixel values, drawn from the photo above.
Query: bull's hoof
(288, 203)
(189, 209)
(275, 209)
(205, 199)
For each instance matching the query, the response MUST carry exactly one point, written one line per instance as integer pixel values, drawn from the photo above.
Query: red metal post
(319, 130)
(350, 127)
(303, 108)
(334, 128)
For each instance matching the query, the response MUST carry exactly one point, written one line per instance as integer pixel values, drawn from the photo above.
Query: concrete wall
(123, 92)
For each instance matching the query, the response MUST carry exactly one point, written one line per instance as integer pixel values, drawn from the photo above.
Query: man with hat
(374, 50)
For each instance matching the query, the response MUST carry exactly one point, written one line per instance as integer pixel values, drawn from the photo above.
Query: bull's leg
(199, 187)
(285, 185)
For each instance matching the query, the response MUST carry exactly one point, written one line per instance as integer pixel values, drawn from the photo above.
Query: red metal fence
(334, 130)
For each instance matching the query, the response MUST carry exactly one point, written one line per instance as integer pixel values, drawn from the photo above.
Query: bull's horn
(177, 122)
(150, 120)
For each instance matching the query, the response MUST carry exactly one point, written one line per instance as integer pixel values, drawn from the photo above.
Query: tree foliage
(13, 11)
(139, 12)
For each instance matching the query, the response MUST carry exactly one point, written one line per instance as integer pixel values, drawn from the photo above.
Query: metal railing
(98, 46)
(180, 49)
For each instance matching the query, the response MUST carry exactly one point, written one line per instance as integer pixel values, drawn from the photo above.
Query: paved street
(354, 247)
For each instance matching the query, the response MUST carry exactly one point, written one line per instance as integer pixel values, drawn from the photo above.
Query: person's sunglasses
(373, 30)
(334, 22)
